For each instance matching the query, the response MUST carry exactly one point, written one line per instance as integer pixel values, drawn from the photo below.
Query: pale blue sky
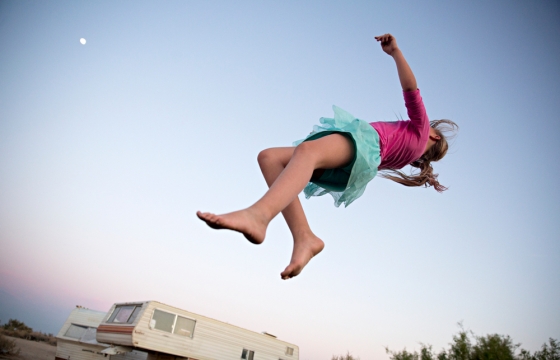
(108, 149)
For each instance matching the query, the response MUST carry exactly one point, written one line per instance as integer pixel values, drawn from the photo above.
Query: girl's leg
(325, 153)
(306, 244)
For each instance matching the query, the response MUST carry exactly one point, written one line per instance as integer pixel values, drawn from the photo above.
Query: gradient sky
(108, 149)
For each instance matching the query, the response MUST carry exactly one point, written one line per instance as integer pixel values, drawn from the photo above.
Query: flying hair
(422, 173)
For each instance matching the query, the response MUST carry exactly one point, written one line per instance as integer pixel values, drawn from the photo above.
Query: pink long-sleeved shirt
(403, 142)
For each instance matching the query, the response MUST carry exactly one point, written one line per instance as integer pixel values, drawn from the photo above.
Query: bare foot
(246, 221)
(305, 248)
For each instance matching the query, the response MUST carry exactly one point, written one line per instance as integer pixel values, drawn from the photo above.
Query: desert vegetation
(466, 345)
(18, 329)
(8, 346)
(348, 356)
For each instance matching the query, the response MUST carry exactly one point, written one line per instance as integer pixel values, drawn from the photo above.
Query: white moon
(82, 41)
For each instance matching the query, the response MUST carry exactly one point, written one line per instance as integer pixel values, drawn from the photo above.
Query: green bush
(547, 352)
(468, 346)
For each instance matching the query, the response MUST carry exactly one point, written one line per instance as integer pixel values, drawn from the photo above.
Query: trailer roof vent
(265, 333)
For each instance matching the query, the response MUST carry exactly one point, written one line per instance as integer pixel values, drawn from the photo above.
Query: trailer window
(82, 333)
(184, 326)
(168, 322)
(75, 331)
(247, 354)
(124, 314)
(163, 320)
(289, 351)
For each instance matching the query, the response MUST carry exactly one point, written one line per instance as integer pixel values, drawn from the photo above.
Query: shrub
(467, 346)
(494, 347)
(8, 346)
(547, 352)
(348, 356)
(18, 329)
(16, 325)
(42, 337)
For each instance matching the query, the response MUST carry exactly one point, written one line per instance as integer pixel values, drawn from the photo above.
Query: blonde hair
(426, 177)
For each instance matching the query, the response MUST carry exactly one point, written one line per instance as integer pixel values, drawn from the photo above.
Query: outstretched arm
(406, 76)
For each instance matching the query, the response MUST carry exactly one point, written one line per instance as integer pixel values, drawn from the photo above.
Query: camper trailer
(76, 339)
(166, 332)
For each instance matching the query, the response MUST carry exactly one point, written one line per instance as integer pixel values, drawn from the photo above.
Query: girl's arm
(406, 76)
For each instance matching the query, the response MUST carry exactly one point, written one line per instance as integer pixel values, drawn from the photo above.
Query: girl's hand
(388, 43)
(406, 76)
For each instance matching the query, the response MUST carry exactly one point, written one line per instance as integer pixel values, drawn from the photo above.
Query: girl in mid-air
(339, 158)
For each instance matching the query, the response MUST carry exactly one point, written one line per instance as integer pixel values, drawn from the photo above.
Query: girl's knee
(281, 155)
(265, 156)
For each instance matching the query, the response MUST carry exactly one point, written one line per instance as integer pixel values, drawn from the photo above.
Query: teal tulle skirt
(349, 183)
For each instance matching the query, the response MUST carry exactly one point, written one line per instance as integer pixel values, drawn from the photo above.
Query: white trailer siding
(211, 339)
(108, 336)
(71, 350)
(83, 317)
(70, 347)
(66, 349)
(86, 347)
